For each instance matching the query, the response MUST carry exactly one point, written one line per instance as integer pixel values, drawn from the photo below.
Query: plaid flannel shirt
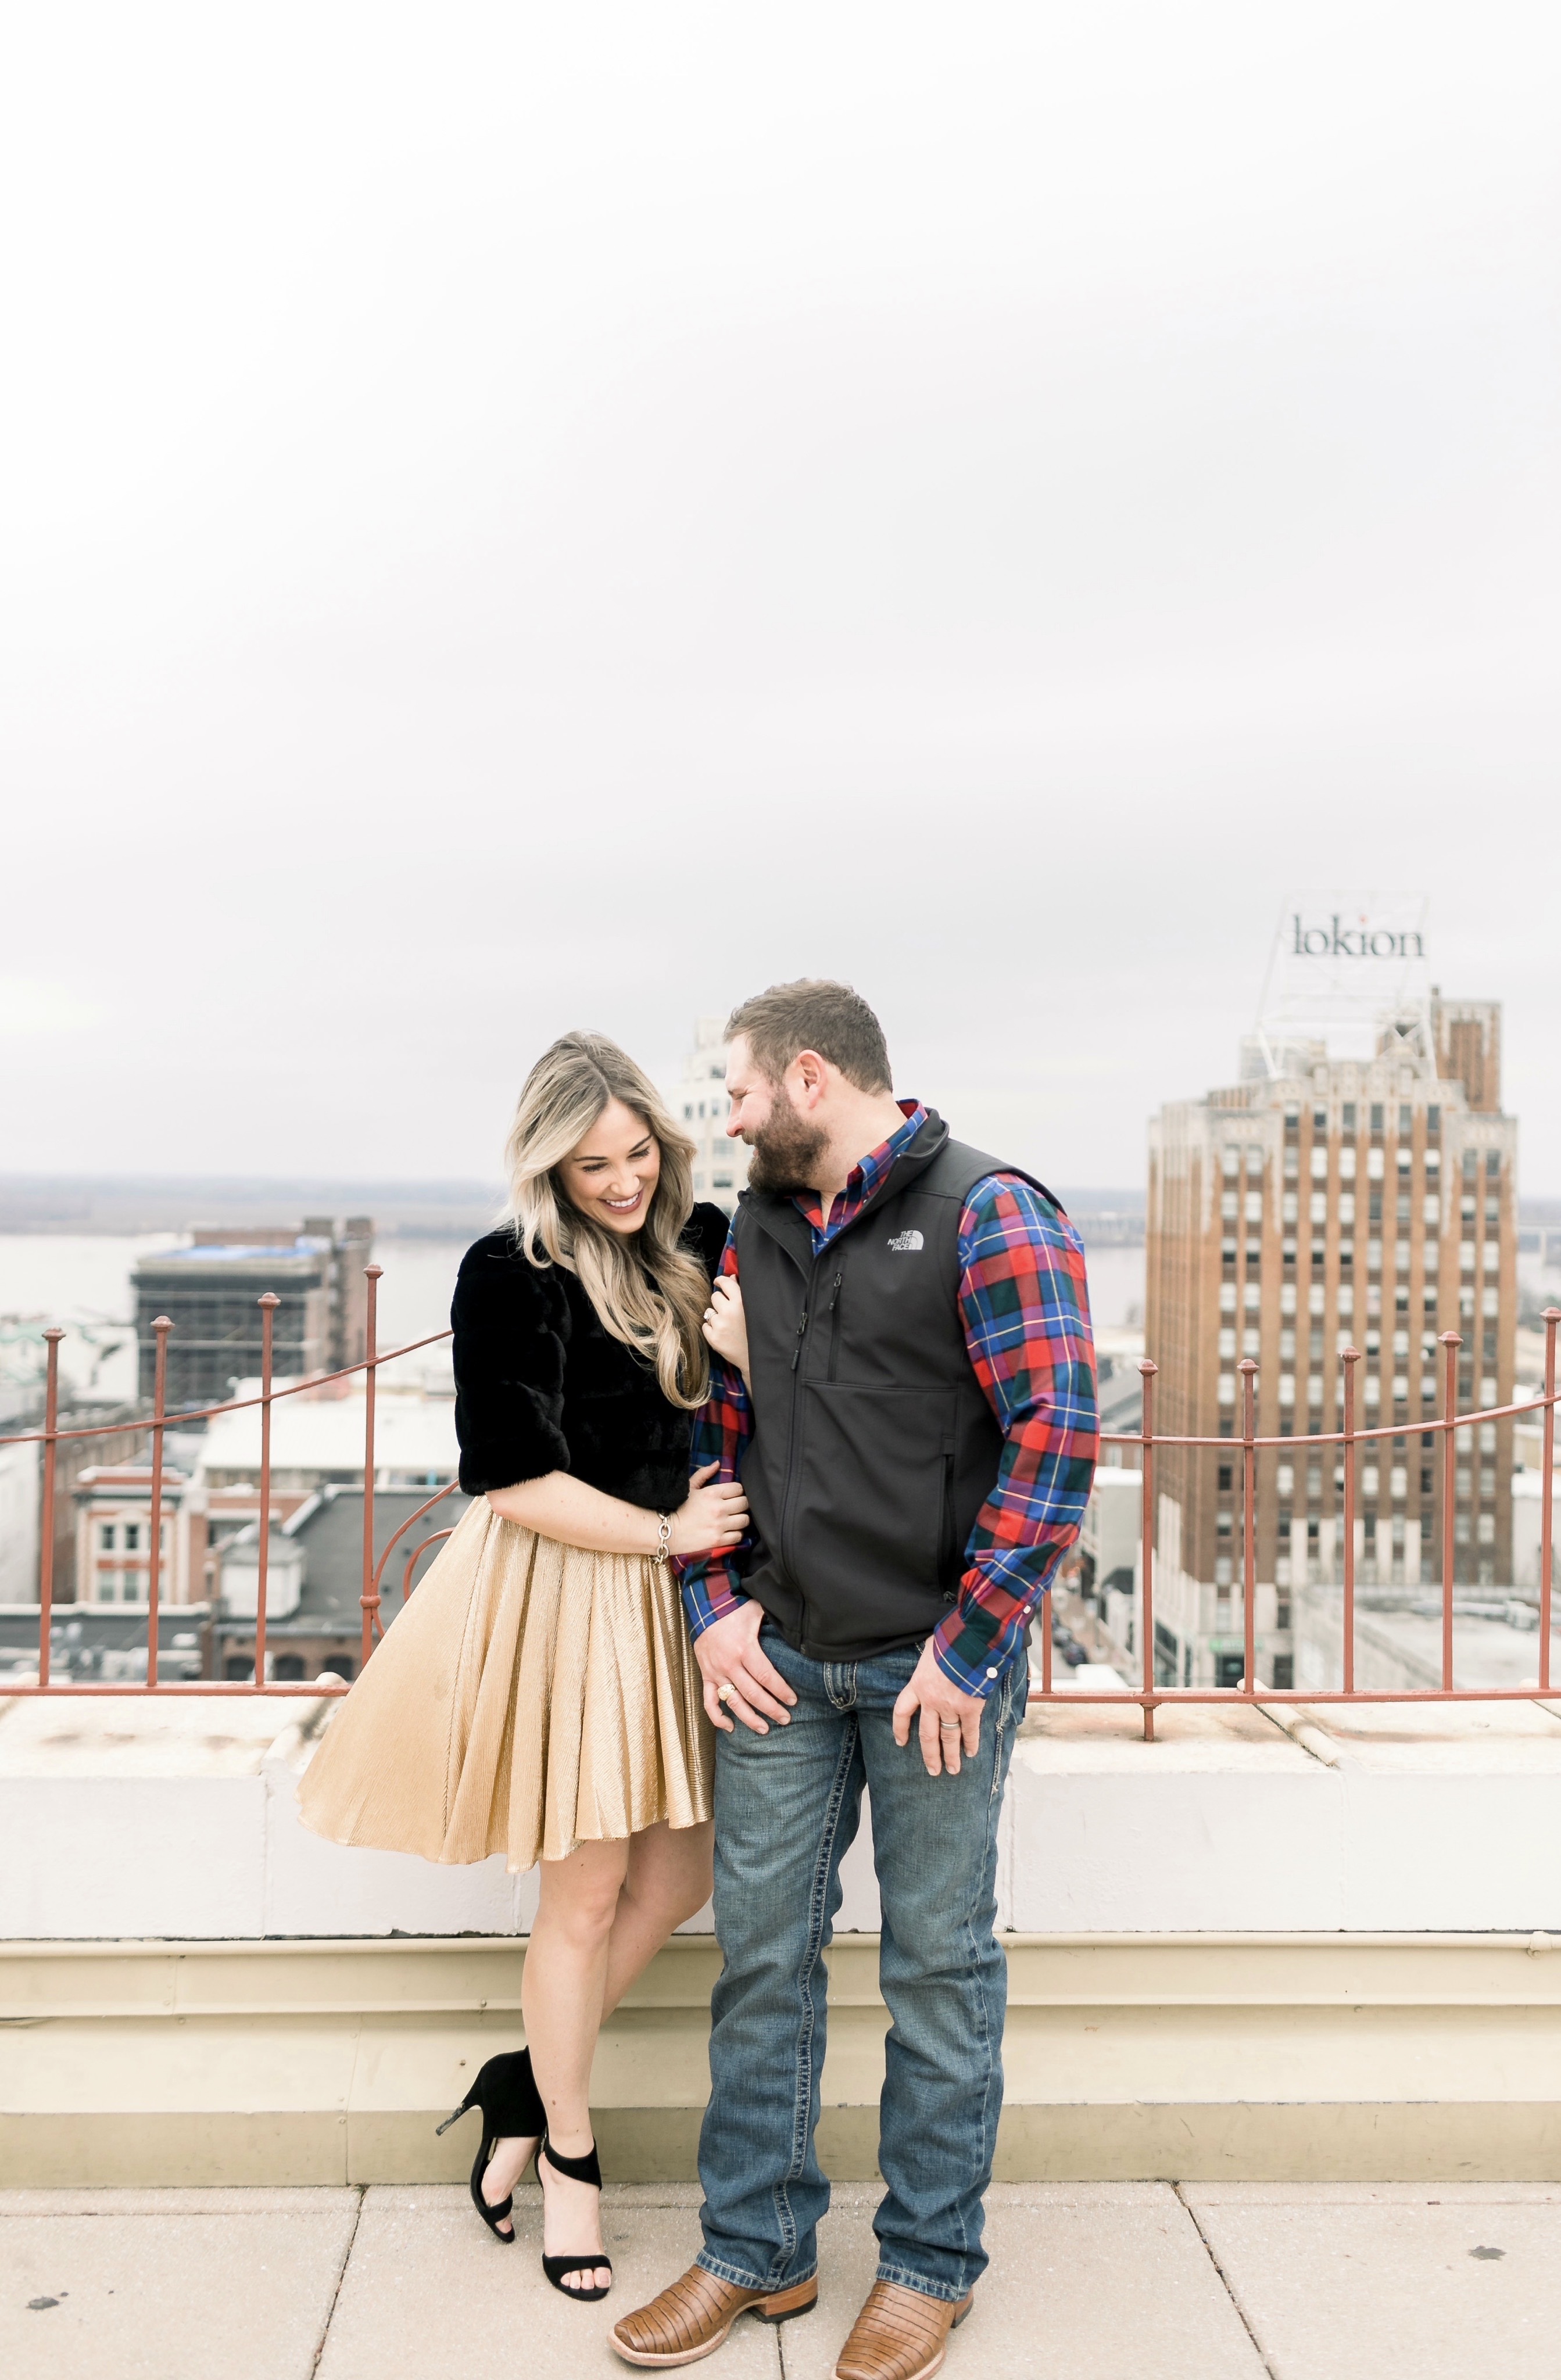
(1024, 1308)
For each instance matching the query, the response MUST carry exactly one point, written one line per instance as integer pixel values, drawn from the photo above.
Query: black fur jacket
(541, 1386)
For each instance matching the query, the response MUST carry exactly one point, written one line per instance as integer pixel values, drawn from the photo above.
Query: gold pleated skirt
(529, 1697)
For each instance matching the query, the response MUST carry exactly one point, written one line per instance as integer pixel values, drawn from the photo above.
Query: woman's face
(612, 1173)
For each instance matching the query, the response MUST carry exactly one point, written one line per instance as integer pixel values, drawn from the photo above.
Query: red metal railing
(157, 1423)
(1148, 1697)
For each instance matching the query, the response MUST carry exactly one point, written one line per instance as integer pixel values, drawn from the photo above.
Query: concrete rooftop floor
(1101, 2281)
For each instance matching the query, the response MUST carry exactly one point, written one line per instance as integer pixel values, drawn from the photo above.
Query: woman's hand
(713, 1516)
(724, 1325)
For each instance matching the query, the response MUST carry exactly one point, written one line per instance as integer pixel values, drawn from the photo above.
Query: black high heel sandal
(505, 2090)
(583, 2168)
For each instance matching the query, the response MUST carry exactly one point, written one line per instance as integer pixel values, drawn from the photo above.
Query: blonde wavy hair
(647, 1291)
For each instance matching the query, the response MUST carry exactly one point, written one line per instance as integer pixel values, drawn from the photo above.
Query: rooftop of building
(1096, 2280)
(328, 1531)
(297, 1254)
(323, 1432)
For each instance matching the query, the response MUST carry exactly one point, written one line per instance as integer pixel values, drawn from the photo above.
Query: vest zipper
(835, 1326)
(792, 1465)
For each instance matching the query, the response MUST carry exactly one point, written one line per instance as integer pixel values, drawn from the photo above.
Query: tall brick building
(1335, 1202)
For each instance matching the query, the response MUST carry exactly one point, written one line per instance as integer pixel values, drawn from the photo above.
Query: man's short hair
(779, 1024)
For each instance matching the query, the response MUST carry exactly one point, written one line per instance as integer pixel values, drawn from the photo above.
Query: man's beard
(785, 1151)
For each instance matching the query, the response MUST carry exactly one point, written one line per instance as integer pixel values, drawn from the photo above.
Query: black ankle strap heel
(587, 2169)
(505, 2090)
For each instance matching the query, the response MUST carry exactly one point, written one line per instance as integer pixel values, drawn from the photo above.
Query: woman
(539, 1693)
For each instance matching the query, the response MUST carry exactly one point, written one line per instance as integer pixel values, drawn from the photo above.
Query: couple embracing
(761, 1519)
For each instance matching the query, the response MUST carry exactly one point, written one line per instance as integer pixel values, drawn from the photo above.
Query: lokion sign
(1356, 940)
(1341, 963)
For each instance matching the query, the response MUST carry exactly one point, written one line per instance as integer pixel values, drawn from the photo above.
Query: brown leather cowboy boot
(899, 2335)
(692, 2318)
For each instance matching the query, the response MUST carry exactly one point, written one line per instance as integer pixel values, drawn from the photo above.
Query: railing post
(1351, 1357)
(1452, 1342)
(268, 1306)
(370, 1594)
(1249, 1372)
(1547, 1492)
(46, 1550)
(155, 1574)
(1146, 1599)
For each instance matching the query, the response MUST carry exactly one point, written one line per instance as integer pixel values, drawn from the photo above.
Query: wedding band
(724, 1694)
(946, 1726)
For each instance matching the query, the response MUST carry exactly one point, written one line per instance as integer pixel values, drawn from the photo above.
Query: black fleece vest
(874, 1447)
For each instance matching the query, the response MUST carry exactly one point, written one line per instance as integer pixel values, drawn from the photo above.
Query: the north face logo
(906, 1243)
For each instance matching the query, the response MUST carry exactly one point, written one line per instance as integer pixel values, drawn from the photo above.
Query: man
(917, 1435)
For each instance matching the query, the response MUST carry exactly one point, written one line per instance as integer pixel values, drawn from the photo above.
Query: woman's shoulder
(495, 1270)
(705, 1234)
(495, 1254)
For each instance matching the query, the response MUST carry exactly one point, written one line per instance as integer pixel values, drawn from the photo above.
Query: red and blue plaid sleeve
(1026, 1309)
(722, 1428)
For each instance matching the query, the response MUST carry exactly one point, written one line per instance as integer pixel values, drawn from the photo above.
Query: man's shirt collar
(864, 1179)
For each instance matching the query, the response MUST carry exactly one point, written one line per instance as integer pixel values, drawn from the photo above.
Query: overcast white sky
(525, 515)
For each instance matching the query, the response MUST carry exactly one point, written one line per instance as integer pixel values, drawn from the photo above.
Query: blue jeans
(787, 1809)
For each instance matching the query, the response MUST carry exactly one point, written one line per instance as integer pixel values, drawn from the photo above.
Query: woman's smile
(613, 1172)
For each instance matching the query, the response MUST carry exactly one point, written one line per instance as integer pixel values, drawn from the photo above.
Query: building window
(106, 1537)
(1347, 1117)
(1225, 1569)
(1377, 1119)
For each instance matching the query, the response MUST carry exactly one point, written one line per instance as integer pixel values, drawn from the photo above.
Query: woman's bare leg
(561, 1992)
(603, 1916)
(668, 1881)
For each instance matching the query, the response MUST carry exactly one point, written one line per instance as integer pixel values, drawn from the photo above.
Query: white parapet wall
(1310, 1950)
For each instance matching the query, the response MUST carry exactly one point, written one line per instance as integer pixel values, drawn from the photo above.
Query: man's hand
(729, 1655)
(950, 1720)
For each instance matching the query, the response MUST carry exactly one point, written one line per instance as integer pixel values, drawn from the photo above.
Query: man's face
(786, 1147)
